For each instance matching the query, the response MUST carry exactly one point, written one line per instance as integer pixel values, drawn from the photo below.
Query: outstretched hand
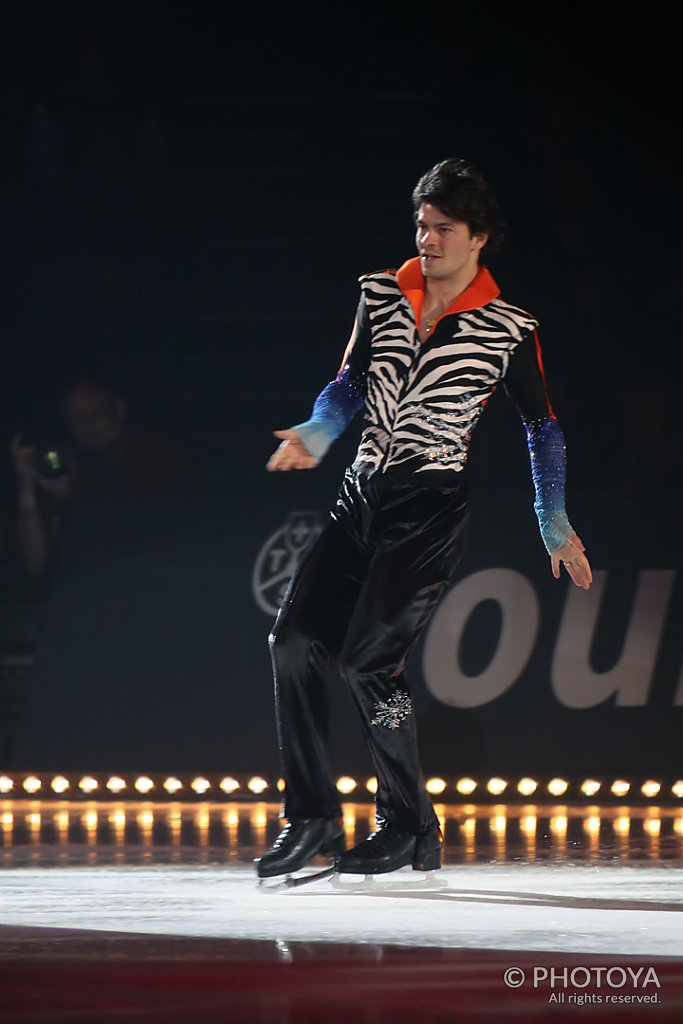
(571, 555)
(291, 454)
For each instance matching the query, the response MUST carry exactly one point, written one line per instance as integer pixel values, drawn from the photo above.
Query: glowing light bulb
(229, 785)
(32, 784)
(650, 788)
(436, 786)
(88, 784)
(200, 785)
(620, 787)
(346, 784)
(558, 787)
(115, 784)
(257, 784)
(527, 786)
(496, 786)
(144, 784)
(590, 787)
(465, 786)
(60, 784)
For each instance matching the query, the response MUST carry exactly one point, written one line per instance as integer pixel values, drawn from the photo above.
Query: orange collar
(412, 283)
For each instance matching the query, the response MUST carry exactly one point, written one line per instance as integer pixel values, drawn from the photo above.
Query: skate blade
(279, 884)
(392, 882)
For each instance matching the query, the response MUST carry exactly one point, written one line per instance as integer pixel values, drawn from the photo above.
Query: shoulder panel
(519, 320)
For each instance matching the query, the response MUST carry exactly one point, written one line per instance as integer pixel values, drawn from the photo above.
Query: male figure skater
(430, 344)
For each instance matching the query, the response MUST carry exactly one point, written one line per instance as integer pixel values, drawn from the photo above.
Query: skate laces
(289, 834)
(284, 835)
(383, 838)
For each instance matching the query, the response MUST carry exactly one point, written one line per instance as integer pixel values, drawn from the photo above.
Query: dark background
(190, 191)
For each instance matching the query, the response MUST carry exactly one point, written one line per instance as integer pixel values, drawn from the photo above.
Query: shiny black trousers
(359, 599)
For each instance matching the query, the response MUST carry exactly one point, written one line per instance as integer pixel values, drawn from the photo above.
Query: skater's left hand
(571, 555)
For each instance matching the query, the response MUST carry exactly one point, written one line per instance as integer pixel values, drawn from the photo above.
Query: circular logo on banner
(279, 557)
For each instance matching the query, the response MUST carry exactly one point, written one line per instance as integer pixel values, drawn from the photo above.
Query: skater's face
(445, 246)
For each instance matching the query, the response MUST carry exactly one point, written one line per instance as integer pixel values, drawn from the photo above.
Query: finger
(577, 542)
(279, 464)
(580, 572)
(555, 563)
(580, 580)
(281, 456)
(275, 461)
(286, 435)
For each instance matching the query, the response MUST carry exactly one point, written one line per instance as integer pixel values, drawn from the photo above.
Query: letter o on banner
(441, 661)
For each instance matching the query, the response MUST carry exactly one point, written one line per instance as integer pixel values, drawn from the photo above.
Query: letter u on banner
(441, 661)
(575, 682)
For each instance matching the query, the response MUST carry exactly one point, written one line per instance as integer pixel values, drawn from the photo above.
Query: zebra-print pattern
(424, 399)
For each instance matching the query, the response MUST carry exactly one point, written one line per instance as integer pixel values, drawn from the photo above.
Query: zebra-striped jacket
(423, 399)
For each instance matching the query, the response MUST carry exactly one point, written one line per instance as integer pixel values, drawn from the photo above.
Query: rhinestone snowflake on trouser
(390, 713)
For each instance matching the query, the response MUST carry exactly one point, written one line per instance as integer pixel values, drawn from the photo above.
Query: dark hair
(461, 193)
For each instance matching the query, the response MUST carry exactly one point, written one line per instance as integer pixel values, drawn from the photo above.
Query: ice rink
(581, 908)
(153, 913)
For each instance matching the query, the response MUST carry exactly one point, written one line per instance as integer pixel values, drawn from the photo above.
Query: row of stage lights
(232, 817)
(256, 786)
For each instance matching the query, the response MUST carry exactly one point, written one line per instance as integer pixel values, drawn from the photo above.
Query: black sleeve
(357, 355)
(524, 381)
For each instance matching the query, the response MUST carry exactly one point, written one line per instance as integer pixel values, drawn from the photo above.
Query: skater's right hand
(291, 454)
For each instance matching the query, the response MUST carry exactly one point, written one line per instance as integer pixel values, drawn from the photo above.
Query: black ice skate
(298, 843)
(388, 849)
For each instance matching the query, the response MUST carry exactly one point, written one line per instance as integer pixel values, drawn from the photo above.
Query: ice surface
(563, 908)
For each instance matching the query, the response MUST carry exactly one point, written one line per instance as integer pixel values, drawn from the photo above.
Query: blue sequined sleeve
(334, 408)
(548, 469)
(525, 384)
(338, 403)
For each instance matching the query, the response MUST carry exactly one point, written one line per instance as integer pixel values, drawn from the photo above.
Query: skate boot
(388, 848)
(299, 841)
